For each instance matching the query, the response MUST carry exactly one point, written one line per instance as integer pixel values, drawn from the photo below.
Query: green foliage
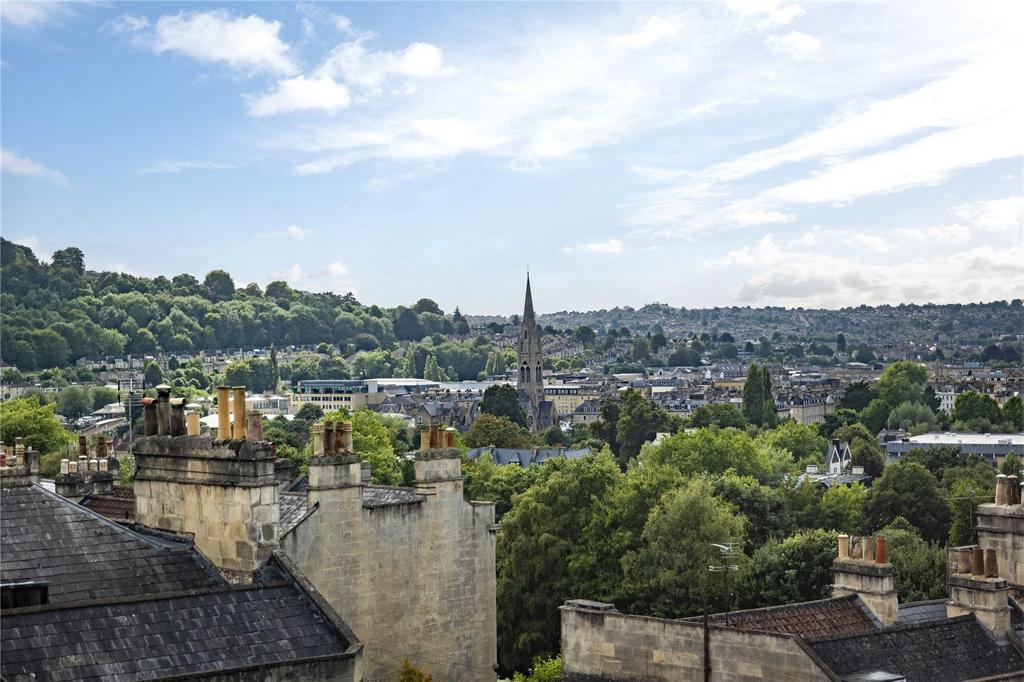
(802, 441)
(842, 509)
(1011, 465)
(256, 375)
(485, 480)
(543, 670)
(502, 400)
(667, 576)
(74, 402)
(909, 490)
(538, 551)
(1013, 413)
(920, 567)
(310, 412)
(797, 569)
(371, 439)
(758, 405)
(103, 396)
(152, 374)
(722, 415)
(970, 406)
(901, 382)
(915, 418)
(763, 508)
(875, 416)
(639, 421)
(864, 449)
(36, 423)
(411, 673)
(715, 451)
(501, 432)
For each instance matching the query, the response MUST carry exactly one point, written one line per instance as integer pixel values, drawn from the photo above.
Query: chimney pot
(425, 439)
(64, 466)
(83, 447)
(163, 409)
(881, 551)
(94, 465)
(844, 546)
(346, 436)
(254, 426)
(101, 447)
(238, 412)
(977, 562)
(329, 442)
(433, 436)
(991, 564)
(192, 424)
(1001, 490)
(149, 417)
(223, 413)
(177, 416)
(318, 439)
(73, 467)
(869, 549)
(1013, 489)
(104, 464)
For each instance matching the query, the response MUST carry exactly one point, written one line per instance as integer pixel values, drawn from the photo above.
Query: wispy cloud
(22, 165)
(301, 94)
(610, 246)
(654, 30)
(998, 215)
(332, 277)
(31, 14)
(179, 165)
(290, 232)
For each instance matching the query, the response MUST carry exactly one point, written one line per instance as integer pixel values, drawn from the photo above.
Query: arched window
(522, 375)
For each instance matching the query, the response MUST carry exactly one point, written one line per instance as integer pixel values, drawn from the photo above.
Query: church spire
(528, 317)
(531, 360)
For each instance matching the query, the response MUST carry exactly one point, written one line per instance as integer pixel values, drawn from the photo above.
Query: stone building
(540, 412)
(862, 633)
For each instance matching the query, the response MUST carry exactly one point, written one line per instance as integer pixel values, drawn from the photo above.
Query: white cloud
(951, 234)
(869, 242)
(754, 217)
(30, 14)
(798, 45)
(126, 23)
(795, 277)
(333, 277)
(301, 94)
(22, 165)
(655, 30)
(785, 14)
(998, 215)
(248, 44)
(357, 66)
(607, 247)
(178, 165)
(290, 232)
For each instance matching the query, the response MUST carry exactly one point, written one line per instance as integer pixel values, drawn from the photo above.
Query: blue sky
(738, 153)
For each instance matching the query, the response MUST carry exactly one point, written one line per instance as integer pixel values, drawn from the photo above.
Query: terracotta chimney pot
(978, 562)
(881, 551)
(991, 564)
(223, 413)
(238, 412)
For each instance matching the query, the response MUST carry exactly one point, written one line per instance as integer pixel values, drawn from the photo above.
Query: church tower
(531, 363)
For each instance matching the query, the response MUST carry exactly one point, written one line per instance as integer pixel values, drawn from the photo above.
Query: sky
(748, 152)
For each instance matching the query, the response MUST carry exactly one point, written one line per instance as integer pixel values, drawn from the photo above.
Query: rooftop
(823, 618)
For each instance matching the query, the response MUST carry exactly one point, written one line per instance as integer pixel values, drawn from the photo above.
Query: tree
(431, 372)
(501, 432)
(902, 381)
(920, 567)
(426, 305)
(35, 422)
(722, 415)
(371, 439)
(639, 421)
(795, 570)
(971, 405)
(684, 357)
(842, 508)
(585, 336)
(51, 350)
(71, 259)
(909, 490)
(539, 554)
(763, 508)
(857, 396)
(716, 451)
(310, 412)
(864, 450)
(543, 670)
(931, 399)
(1011, 465)
(219, 285)
(841, 342)
(152, 375)
(876, 415)
(485, 480)
(605, 427)
(915, 418)
(74, 402)
(802, 441)
(408, 326)
(1013, 413)
(668, 577)
(502, 400)
(753, 396)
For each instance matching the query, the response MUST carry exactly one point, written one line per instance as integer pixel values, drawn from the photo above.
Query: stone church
(540, 413)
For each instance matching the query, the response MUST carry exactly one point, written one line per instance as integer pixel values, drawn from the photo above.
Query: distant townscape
(260, 483)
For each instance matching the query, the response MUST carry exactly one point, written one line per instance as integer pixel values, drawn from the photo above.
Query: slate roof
(294, 497)
(293, 508)
(119, 505)
(82, 555)
(931, 611)
(158, 638)
(383, 496)
(824, 618)
(956, 649)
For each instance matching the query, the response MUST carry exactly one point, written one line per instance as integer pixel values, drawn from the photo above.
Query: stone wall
(414, 580)
(599, 643)
(1001, 527)
(223, 492)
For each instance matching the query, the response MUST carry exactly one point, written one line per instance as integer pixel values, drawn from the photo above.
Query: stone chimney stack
(438, 467)
(20, 467)
(975, 587)
(335, 478)
(1000, 527)
(863, 568)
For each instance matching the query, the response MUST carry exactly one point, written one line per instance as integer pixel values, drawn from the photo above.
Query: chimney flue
(346, 436)
(149, 417)
(881, 551)
(163, 412)
(1013, 489)
(83, 447)
(223, 414)
(844, 546)
(425, 439)
(177, 416)
(318, 439)
(869, 549)
(101, 446)
(329, 438)
(192, 425)
(253, 426)
(991, 564)
(238, 412)
(1001, 490)
(978, 562)
(64, 466)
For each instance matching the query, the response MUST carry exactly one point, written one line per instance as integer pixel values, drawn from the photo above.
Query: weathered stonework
(223, 492)
(1001, 527)
(873, 582)
(415, 581)
(986, 598)
(599, 643)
